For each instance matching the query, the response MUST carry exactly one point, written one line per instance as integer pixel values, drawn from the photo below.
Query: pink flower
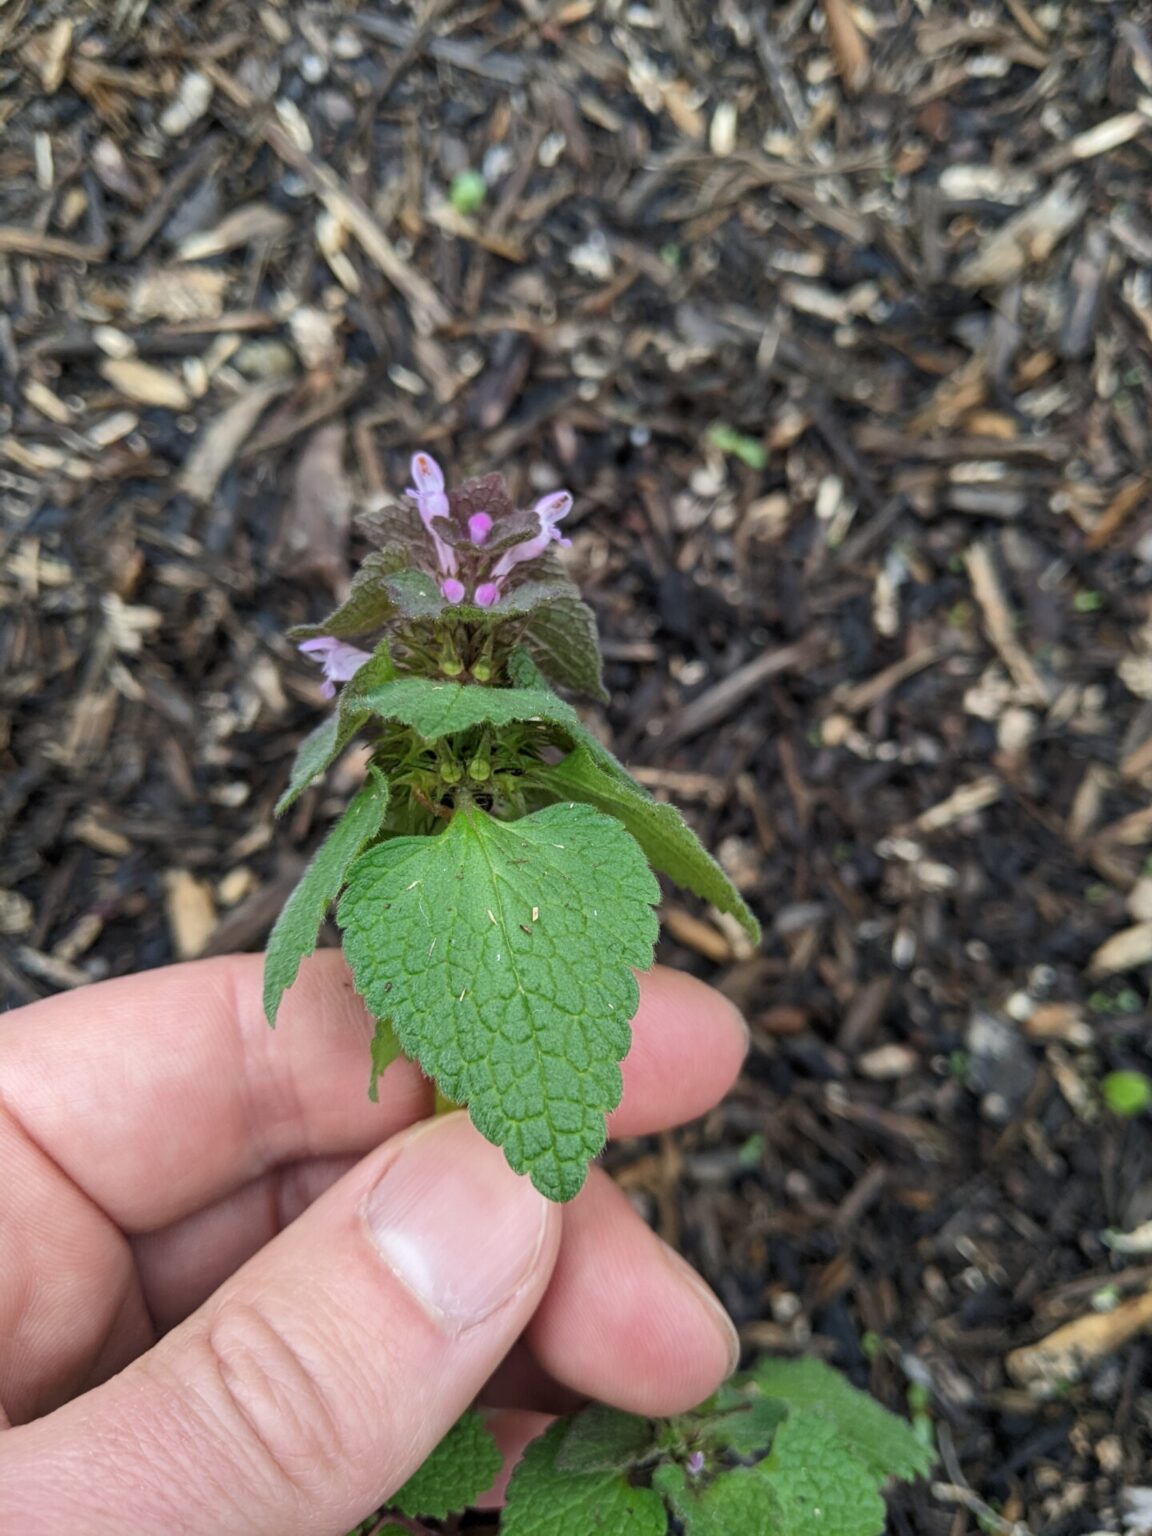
(479, 527)
(486, 594)
(339, 660)
(550, 510)
(432, 502)
(452, 589)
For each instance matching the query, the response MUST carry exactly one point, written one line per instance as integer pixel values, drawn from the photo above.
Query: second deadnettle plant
(495, 872)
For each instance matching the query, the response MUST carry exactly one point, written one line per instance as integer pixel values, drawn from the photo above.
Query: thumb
(317, 1379)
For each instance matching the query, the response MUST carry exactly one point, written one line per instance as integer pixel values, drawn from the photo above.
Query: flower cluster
(434, 505)
(459, 533)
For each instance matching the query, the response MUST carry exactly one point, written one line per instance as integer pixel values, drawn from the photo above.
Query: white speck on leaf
(535, 914)
(491, 918)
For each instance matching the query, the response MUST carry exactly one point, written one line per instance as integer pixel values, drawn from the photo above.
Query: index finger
(159, 1093)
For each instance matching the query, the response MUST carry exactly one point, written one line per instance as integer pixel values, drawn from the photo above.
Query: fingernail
(455, 1225)
(709, 1303)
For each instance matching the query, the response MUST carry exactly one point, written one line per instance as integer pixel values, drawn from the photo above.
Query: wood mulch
(838, 320)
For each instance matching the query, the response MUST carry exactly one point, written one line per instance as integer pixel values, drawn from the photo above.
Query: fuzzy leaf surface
(885, 1443)
(435, 710)
(562, 640)
(819, 1486)
(319, 750)
(502, 953)
(544, 1500)
(368, 606)
(737, 1499)
(462, 1467)
(670, 843)
(416, 595)
(298, 926)
(603, 1439)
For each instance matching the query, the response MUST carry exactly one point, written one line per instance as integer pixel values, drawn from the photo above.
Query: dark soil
(838, 322)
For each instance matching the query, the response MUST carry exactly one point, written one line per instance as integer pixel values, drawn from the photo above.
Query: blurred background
(837, 320)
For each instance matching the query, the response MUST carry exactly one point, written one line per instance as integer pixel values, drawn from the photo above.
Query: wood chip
(145, 383)
(179, 293)
(1106, 136)
(1130, 496)
(964, 801)
(191, 912)
(849, 46)
(1066, 1355)
(1124, 951)
(312, 540)
(1028, 237)
(223, 438)
(719, 702)
(695, 934)
(29, 242)
(243, 226)
(999, 623)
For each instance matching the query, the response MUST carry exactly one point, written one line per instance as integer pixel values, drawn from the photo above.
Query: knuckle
(274, 1398)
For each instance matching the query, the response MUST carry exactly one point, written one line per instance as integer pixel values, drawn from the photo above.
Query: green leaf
(435, 710)
(671, 845)
(376, 671)
(544, 1500)
(749, 1427)
(462, 1467)
(885, 1444)
(367, 607)
(416, 595)
(319, 750)
(298, 926)
(602, 1439)
(737, 1501)
(529, 596)
(385, 1050)
(561, 638)
(818, 1484)
(503, 955)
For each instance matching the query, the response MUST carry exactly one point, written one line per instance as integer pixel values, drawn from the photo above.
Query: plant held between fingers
(496, 891)
(495, 873)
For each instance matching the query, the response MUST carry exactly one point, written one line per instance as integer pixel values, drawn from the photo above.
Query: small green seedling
(494, 875)
(749, 450)
(468, 191)
(1127, 1093)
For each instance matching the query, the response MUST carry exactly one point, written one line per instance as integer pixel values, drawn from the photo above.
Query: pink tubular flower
(432, 501)
(486, 594)
(550, 510)
(479, 527)
(338, 659)
(452, 589)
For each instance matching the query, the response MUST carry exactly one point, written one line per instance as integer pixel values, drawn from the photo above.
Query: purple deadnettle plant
(494, 875)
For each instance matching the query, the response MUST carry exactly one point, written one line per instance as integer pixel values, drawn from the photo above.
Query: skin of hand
(239, 1299)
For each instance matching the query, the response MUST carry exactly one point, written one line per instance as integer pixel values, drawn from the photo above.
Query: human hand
(239, 1299)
